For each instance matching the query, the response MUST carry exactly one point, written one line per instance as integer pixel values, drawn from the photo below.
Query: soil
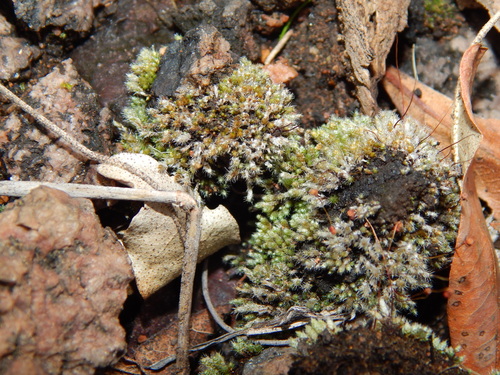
(366, 351)
(102, 54)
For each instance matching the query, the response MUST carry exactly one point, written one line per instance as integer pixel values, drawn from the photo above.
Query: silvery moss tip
(357, 223)
(233, 130)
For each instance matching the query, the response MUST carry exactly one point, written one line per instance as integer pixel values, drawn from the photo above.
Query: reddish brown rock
(63, 281)
(67, 100)
(75, 15)
(16, 54)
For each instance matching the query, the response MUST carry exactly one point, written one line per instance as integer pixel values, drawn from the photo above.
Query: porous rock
(16, 53)
(63, 281)
(66, 99)
(75, 15)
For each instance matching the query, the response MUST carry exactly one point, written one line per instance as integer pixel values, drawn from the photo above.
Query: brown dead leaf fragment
(473, 314)
(473, 306)
(492, 6)
(430, 108)
(63, 282)
(368, 29)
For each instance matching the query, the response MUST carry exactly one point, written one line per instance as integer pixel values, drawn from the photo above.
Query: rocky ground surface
(70, 60)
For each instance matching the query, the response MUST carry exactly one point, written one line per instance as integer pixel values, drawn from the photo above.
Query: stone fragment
(69, 101)
(16, 53)
(63, 281)
(77, 15)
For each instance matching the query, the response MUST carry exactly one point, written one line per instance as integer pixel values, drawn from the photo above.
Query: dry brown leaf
(433, 109)
(473, 314)
(429, 108)
(154, 239)
(466, 136)
(369, 28)
(473, 306)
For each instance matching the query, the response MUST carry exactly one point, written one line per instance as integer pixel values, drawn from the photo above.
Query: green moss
(143, 71)
(438, 12)
(334, 235)
(245, 347)
(215, 364)
(234, 130)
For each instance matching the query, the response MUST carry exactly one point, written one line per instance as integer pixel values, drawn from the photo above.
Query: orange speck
(352, 214)
(398, 226)
(314, 192)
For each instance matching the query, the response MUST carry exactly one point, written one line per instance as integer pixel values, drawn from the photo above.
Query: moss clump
(439, 13)
(215, 364)
(245, 347)
(357, 223)
(233, 130)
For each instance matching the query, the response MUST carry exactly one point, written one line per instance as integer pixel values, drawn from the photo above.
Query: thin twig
(73, 143)
(22, 188)
(486, 28)
(49, 125)
(414, 61)
(278, 47)
(208, 300)
(191, 248)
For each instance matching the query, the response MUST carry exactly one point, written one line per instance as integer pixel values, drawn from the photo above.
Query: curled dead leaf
(473, 306)
(154, 239)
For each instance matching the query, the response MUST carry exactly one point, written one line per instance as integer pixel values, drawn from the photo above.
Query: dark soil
(371, 352)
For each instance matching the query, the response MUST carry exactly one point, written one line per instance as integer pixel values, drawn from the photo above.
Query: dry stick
(74, 145)
(486, 28)
(187, 281)
(22, 188)
(49, 125)
(191, 245)
(278, 47)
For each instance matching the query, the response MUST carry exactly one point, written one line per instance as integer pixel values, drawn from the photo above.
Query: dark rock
(194, 62)
(63, 281)
(229, 17)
